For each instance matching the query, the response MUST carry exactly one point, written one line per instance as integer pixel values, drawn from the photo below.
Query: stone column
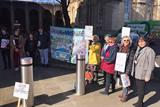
(12, 16)
(27, 17)
(40, 17)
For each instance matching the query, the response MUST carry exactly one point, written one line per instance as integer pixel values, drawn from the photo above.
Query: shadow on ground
(152, 86)
(9, 77)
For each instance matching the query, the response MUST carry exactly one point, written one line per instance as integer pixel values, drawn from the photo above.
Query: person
(17, 48)
(105, 46)
(43, 46)
(144, 60)
(94, 56)
(108, 63)
(31, 47)
(5, 48)
(129, 48)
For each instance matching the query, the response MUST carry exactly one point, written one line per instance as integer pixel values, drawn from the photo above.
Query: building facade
(29, 15)
(104, 15)
(145, 10)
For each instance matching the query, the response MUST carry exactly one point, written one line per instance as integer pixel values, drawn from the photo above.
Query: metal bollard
(27, 77)
(80, 78)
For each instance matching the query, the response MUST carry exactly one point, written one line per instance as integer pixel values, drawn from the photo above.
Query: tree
(65, 4)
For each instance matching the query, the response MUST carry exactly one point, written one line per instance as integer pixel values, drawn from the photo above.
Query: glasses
(126, 40)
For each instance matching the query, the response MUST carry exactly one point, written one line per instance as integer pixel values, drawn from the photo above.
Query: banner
(66, 43)
(61, 43)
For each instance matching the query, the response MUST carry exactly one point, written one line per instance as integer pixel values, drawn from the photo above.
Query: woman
(94, 56)
(17, 48)
(108, 63)
(31, 46)
(128, 48)
(143, 66)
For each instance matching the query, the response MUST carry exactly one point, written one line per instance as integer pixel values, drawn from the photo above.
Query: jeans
(44, 56)
(125, 92)
(109, 79)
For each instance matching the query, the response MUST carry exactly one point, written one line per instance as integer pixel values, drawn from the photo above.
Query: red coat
(108, 63)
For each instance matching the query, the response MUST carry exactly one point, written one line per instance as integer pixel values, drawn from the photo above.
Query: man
(43, 46)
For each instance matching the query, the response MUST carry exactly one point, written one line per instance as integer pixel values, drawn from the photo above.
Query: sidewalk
(54, 87)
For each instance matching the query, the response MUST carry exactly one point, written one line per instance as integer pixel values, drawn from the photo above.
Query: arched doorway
(5, 18)
(34, 20)
(47, 20)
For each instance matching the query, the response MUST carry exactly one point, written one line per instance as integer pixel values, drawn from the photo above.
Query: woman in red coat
(108, 63)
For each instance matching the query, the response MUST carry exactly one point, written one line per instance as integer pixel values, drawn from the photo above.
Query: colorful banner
(66, 43)
(61, 43)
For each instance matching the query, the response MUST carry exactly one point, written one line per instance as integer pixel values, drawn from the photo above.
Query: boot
(123, 99)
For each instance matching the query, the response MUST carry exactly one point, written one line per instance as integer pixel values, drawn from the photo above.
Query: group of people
(139, 65)
(13, 47)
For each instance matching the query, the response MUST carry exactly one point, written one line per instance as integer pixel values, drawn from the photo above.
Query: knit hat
(109, 35)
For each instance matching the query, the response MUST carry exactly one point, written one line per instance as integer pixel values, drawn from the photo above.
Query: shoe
(138, 104)
(104, 93)
(120, 96)
(16, 69)
(123, 99)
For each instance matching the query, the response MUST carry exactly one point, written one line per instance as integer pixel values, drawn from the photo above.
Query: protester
(108, 63)
(43, 46)
(144, 60)
(129, 48)
(31, 47)
(94, 56)
(5, 48)
(103, 51)
(17, 48)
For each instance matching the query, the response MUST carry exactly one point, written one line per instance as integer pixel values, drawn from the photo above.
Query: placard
(126, 31)
(21, 90)
(4, 43)
(125, 80)
(88, 32)
(120, 62)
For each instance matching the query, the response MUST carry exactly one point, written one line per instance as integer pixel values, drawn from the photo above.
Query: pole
(27, 77)
(80, 79)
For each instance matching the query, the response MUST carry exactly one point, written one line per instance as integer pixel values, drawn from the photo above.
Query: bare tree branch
(59, 1)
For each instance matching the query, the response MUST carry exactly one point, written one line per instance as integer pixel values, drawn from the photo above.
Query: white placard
(4, 43)
(120, 62)
(126, 31)
(21, 90)
(88, 32)
(125, 80)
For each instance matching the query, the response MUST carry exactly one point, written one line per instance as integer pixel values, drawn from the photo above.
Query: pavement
(54, 87)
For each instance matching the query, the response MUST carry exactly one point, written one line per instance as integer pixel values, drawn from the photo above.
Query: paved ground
(54, 87)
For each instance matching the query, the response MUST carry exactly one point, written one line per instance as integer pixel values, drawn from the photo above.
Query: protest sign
(88, 32)
(126, 31)
(120, 62)
(125, 80)
(66, 43)
(4, 43)
(21, 90)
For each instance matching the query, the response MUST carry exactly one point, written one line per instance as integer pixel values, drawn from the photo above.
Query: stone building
(145, 10)
(104, 15)
(29, 15)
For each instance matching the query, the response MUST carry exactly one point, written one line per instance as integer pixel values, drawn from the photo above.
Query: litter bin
(27, 77)
(80, 75)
